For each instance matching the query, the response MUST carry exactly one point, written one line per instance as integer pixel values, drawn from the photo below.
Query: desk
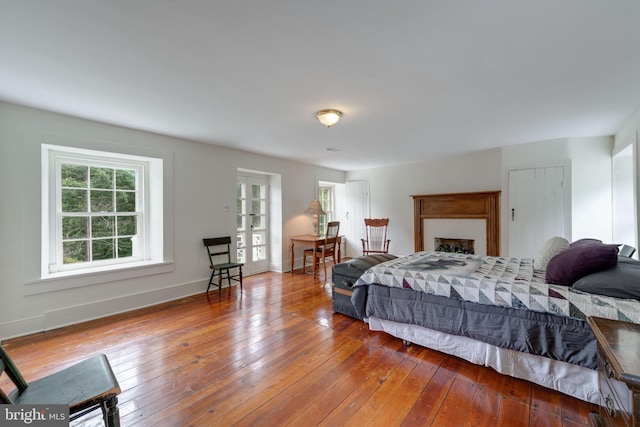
(311, 241)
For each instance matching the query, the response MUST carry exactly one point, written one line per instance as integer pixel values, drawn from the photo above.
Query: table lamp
(315, 209)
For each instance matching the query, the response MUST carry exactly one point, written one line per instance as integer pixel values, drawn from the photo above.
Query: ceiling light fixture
(329, 117)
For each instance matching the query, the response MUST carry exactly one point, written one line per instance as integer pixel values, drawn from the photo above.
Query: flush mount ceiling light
(329, 117)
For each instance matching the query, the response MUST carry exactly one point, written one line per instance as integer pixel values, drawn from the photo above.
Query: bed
(502, 312)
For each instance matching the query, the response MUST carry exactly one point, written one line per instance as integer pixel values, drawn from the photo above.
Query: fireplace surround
(478, 205)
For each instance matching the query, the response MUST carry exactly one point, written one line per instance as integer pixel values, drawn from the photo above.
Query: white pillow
(551, 248)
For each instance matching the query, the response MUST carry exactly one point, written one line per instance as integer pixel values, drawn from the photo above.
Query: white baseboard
(95, 310)
(18, 328)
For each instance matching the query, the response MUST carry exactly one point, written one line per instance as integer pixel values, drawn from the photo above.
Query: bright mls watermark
(34, 415)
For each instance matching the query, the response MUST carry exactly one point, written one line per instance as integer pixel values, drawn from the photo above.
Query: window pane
(322, 224)
(74, 200)
(102, 249)
(240, 190)
(258, 221)
(102, 178)
(125, 179)
(102, 226)
(126, 226)
(98, 203)
(74, 252)
(125, 201)
(239, 222)
(75, 227)
(125, 247)
(101, 201)
(257, 191)
(240, 206)
(74, 175)
(258, 206)
(258, 238)
(259, 253)
(324, 198)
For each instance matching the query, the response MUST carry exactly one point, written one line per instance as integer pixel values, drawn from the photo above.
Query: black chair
(219, 250)
(85, 387)
(627, 251)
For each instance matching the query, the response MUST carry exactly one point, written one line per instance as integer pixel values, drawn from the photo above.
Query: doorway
(253, 222)
(538, 209)
(357, 210)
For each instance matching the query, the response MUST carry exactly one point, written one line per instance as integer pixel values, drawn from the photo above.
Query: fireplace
(479, 210)
(459, 246)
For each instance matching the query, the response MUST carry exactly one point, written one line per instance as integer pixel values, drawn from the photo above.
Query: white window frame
(329, 208)
(150, 226)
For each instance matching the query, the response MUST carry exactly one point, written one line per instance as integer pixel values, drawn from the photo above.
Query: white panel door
(536, 209)
(357, 211)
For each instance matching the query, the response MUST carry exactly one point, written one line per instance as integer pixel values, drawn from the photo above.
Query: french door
(252, 223)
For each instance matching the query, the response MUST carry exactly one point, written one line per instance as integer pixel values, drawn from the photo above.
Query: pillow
(578, 261)
(582, 242)
(551, 248)
(619, 281)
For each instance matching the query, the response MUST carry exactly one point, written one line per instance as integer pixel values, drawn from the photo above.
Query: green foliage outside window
(324, 197)
(99, 218)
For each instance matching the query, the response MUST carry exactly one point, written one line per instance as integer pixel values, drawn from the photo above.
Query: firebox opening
(460, 246)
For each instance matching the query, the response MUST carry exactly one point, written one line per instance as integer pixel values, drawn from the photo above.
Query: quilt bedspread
(506, 282)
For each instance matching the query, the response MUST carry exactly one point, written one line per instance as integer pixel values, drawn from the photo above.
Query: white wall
(591, 186)
(202, 181)
(391, 188)
(197, 208)
(589, 163)
(588, 159)
(629, 133)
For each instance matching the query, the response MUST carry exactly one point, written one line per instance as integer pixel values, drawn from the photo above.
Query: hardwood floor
(277, 355)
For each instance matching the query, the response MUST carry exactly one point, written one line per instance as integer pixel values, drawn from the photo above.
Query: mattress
(503, 282)
(543, 334)
(488, 309)
(345, 274)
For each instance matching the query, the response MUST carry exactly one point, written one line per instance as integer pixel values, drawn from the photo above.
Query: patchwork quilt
(505, 282)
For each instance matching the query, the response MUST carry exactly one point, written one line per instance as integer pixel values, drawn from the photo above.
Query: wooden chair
(328, 248)
(219, 249)
(376, 241)
(85, 387)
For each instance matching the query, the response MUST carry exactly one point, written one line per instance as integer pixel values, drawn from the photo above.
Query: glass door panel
(252, 223)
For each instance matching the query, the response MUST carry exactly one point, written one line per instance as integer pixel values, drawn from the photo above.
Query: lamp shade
(315, 208)
(329, 117)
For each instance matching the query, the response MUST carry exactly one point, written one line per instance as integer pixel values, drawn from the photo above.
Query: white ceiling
(415, 79)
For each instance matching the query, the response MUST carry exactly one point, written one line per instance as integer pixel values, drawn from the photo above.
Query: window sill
(79, 278)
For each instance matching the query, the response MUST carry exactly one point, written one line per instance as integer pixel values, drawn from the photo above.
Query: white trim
(150, 228)
(79, 278)
(93, 310)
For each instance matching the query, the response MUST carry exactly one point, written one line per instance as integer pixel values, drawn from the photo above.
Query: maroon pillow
(576, 262)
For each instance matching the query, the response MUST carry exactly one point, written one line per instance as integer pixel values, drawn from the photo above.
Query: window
(325, 197)
(101, 213)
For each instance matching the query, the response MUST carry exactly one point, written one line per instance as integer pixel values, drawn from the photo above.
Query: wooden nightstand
(618, 359)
